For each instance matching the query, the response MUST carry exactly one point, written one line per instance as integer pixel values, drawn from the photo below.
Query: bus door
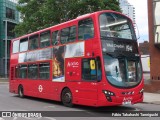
(86, 86)
(77, 69)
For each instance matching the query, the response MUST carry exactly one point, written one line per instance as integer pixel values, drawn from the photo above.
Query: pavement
(150, 98)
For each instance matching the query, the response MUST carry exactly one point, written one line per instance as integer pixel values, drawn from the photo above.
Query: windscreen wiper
(111, 55)
(105, 37)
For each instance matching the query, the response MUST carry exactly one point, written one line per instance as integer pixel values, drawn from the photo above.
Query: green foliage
(39, 14)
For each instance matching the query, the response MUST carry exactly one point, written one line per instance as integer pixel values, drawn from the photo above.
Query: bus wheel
(66, 97)
(21, 91)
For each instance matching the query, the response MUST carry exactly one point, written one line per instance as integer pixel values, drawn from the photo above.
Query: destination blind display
(119, 46)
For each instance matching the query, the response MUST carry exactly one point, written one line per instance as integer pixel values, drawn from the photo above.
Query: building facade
(145, 56)
(127, 9)
(9, 17)
(154, 45)
(154, 37)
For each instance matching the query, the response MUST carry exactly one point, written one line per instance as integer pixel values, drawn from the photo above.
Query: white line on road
(49, 106)
(15, 118)
(50, 118)
(4, 82)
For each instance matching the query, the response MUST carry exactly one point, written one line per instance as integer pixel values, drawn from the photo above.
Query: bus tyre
(67, 97)
(21, 92)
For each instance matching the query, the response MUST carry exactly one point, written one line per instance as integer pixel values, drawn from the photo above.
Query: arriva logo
(127, 99)
(72, 64)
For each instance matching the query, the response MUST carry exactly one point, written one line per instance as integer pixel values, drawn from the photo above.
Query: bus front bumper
(120, 100)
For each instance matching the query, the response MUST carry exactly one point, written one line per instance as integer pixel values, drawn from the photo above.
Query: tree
(39, 14)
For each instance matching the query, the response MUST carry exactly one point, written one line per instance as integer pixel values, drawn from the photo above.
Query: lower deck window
(33, 71)
(91, 74)
(23, 71)
(44, 70)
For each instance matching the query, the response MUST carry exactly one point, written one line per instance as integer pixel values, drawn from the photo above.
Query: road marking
(15, 118)
(49, 107)
(1, 118)
(50, 118)
(5, 83)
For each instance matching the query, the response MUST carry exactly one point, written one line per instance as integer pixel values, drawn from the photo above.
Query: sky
(141, 13)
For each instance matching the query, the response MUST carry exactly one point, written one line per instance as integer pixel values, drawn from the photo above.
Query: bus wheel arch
(21, 91)
(66, 97)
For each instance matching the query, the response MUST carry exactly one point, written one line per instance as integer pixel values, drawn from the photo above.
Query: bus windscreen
(116, 25)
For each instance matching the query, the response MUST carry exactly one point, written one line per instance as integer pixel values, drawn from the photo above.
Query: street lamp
(6, 57)
(6, 45)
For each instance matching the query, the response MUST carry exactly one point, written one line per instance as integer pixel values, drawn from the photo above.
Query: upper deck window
(85, 29)
(33, 42)
(15, 48)
(23, 44)
(45, 39)
(68, 34)
(116, 25)
(55, 38)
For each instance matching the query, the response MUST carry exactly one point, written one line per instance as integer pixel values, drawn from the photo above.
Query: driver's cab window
(91, 69)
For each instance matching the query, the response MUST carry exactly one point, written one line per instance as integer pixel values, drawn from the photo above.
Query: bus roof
(67, 22)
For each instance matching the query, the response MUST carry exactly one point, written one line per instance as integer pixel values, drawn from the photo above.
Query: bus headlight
(108, 94)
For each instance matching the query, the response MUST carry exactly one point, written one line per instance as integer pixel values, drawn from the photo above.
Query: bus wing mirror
(92, 64)
(117, 72)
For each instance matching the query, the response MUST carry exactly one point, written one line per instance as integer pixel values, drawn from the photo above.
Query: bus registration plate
(126, 103)
(127, 100)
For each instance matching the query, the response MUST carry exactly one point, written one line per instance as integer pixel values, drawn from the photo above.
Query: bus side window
(44, 71)
(85, 29)
(45, 39)
(33, 71)
(22, 71)
(87, 72)
(23, 44)
(15, 47)
(72, 34)
(64, 35)
(33, 42)
(68, 34)
(55, 37)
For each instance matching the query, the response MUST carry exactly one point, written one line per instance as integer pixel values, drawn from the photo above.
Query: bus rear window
(15, 46)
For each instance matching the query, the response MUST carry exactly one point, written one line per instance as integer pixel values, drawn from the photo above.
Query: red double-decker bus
(92, 60)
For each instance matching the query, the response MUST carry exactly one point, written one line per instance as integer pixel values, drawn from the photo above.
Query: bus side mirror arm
(157, 36)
